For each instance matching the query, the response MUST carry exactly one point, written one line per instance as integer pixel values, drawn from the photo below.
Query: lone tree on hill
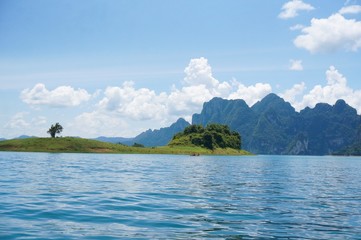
(54, 129)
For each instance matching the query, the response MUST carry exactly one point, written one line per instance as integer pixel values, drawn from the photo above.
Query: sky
(117, 68)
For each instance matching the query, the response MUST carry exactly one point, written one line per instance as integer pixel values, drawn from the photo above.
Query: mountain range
(152, 138)
(20, 137)
(273, 126)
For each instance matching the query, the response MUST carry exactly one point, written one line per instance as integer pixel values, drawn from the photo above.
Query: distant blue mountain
(24, 137)
(151, 138)
(161, 137)
(113, 139)
(272, 126)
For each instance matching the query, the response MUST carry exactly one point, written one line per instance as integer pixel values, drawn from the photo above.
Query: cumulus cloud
(94, 124)
(292, 8)
(251, 94)
(199, 72)
(63, 96)
(296, 65)
(126, 110)
(139, 104)
(22, 123)
(330, 34)
(199, 86)
(336, 88)
(352, 9)
(187, 100)
(291, 95)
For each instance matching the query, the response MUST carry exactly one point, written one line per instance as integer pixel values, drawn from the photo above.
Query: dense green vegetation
(79, 145)
(213, 136)
(138, 145)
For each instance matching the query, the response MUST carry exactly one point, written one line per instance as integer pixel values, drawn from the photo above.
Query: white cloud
(126, 110)
(126, 105)
(251, 94)
(63, 96)
(138, 104)
(95, 124)
(199, 86)
(292, 8)
(22, 123)
(297, 27)
(353, 9)
(291, 95)
(188, 100)
(296, 65)
(18, 121)
(336, 88)
(199, 72)
(330, 34)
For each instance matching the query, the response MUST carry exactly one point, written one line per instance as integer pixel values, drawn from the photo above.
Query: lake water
(99, 196)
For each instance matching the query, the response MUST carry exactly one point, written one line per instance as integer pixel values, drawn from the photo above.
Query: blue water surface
(106, 196)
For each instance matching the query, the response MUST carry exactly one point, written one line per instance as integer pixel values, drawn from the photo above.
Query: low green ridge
(80, 145)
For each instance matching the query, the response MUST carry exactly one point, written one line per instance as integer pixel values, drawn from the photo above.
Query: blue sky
(117, 68)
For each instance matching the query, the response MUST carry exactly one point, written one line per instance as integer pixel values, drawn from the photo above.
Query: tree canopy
(211, 137)
(54, 129)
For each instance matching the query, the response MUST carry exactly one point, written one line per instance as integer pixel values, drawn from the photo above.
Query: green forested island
(228, 146)
(211, 137)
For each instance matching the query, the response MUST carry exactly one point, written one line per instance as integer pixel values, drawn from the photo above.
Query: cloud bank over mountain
(118, 107)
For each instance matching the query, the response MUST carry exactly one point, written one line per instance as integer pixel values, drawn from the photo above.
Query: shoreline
(80, 145)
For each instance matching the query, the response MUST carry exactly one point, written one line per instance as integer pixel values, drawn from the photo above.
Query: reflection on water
(162, 196)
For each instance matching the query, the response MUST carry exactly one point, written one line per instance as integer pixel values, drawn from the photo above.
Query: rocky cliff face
(234, 113)
(276, 119)
(272, 126)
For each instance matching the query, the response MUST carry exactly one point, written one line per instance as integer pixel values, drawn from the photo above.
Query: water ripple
(95, 196)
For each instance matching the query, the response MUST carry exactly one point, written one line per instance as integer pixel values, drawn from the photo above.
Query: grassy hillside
(80, 145)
